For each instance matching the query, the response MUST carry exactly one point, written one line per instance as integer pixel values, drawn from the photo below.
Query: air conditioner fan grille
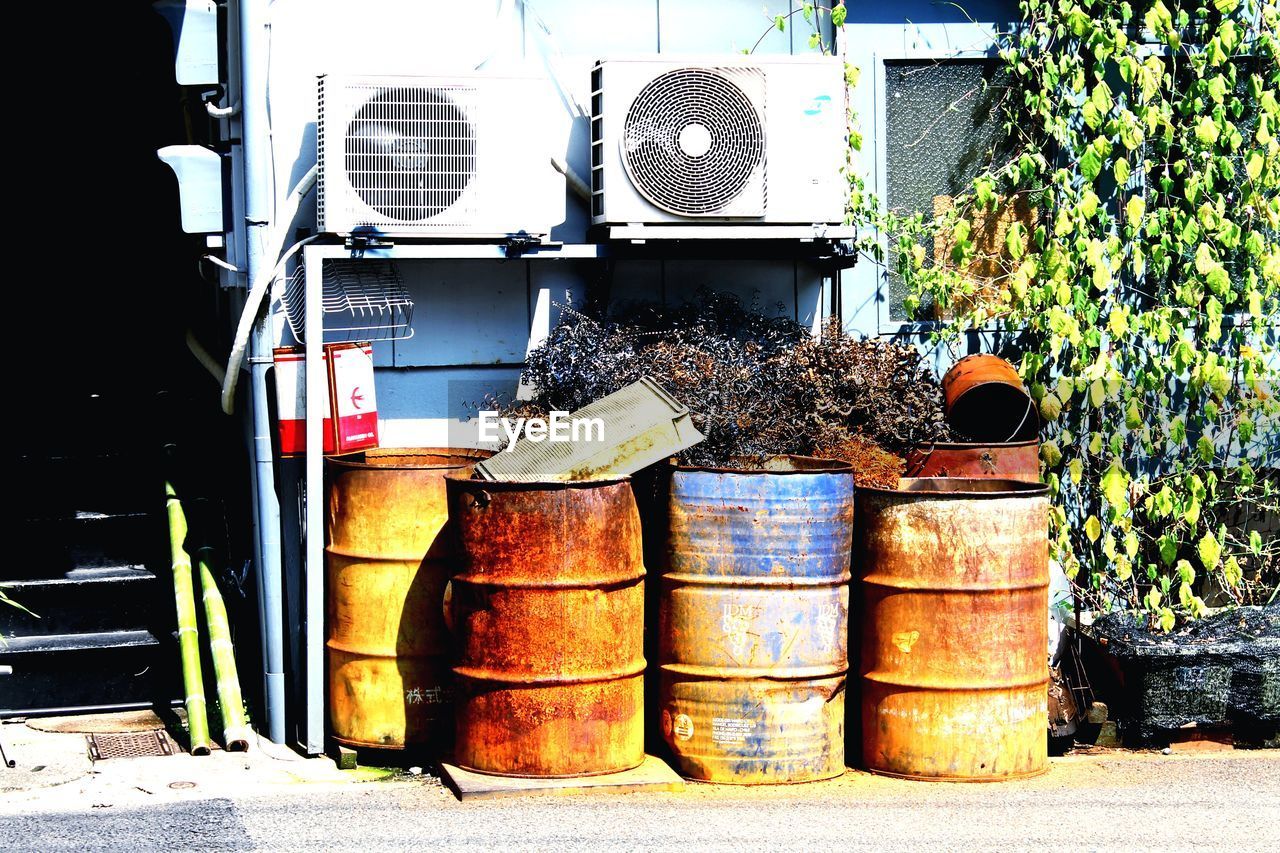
(410, 152)
(692, 140)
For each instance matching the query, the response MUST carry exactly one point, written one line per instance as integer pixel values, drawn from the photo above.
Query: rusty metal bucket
(1012, 461)
(955, 577)
(986, 401)
(754, 620)
(547, 616)
(387, 561)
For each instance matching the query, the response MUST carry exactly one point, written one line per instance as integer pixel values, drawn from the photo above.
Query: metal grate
(410, 152)
(693, 141)
(362, 301)
(129, 745)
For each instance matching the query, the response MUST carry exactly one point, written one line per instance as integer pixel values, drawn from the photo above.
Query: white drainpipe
(252, 20)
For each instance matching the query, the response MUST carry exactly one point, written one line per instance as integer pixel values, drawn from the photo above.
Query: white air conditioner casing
(450, 157)
(718, 139)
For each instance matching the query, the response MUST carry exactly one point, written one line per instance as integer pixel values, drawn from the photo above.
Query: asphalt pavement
(1109, 800)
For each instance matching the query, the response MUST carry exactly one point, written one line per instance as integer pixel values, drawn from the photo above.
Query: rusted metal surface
(954, 643)
(754, 621)
(548, 622)
(987, 402)
(387, 562)
(1013, 461)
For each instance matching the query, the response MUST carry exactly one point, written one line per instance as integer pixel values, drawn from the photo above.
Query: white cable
(219, 262)
(202, 356)
(572, 178)
(253, 301)
(221, 112)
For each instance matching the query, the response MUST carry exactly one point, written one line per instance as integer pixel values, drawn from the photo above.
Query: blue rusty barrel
(753, 621)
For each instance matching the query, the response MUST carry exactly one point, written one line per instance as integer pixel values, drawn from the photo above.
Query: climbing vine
(1136, 285)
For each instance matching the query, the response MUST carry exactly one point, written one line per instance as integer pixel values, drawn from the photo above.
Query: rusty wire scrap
(756, 385)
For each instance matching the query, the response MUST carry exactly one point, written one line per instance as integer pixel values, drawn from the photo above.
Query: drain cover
(129, 745)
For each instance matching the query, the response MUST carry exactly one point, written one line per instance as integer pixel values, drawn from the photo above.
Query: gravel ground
(1104, 801)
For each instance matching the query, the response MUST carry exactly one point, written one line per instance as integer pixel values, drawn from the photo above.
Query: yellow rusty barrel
(387, 563)
(754, 620)
(955, 578)
(547, 614)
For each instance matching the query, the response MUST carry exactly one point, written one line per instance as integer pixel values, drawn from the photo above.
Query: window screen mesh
(942, 128)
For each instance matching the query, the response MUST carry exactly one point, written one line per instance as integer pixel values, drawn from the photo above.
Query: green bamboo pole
(188, 634)
(235, 731)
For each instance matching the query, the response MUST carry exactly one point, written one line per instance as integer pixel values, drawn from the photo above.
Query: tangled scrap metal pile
(757, 386)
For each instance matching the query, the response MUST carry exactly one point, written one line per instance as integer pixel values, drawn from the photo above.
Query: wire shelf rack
(362, 301)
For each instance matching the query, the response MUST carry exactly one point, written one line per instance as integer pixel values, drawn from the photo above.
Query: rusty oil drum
(955, 579)
(754, 619)
(387, 561)
(547, 615)
(986, 401)
(1011, 461)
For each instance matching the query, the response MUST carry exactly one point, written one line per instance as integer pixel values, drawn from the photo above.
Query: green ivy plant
(1141, 298)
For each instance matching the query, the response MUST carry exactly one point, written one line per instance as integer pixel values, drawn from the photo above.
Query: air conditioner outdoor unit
(456, 157)
(729, 140)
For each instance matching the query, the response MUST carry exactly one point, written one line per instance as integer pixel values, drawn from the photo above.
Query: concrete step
(73, 672)
(87, 600)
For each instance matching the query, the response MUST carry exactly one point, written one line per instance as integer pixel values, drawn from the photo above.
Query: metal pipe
(251, 17)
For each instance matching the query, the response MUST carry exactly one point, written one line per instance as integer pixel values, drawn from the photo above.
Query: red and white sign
(350, 401)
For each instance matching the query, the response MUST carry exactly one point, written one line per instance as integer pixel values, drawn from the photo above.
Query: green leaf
(1253, 168)
(1255, 542)
(1092, 528)
(1101, 98)
(984, 192)
(838, 14)
(1088, 203)
(1192, 515)
(1168, 549)
(1050, 407)
(1121, 171)
(1226, 7)
(1207, 131)
(1210, 551)
(1186, 572)
(1115, 485)
(780, 22)
(1204, 447)
(1135, 209)
(1231, 573)
(1167, 620)
(1213, 313)
(1133, 415)
(1091, 163)
(1097, 392)
(5, 599)
(1076, 469)
(1050, 453)
(815, 41)
(1015, 240)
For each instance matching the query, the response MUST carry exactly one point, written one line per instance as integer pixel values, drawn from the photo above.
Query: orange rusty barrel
(754, 619)
(955, 579)
(387, 563)
(1010, 461)
(547, 615)
(987, 402)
